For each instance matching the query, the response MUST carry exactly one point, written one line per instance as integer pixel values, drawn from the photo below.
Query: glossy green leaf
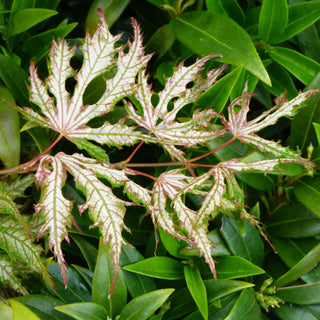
(173, 245)
(43, 306)
(302, 294)
(230, 8)
(21, 312)
(112, 10)
(301, 16)
(303, 266)
(273, 19)
(197, 289)
(9, 130)
(209, 33)
(304, 119)
(249, 247)
(246, 307)
(233, 267)
(217, 96)
(158, 267)
(182, 302)
(102, 282)
(88, 250)
(307, 191)
(137, 284)
(161, 41)
(27, 18)
(293, 221)
(141, 308)
(302, 67)
(37, 46)
(291, 311)
(84, 311)
(15, 79)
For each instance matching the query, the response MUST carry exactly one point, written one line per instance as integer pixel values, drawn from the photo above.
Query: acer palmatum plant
(151, 118)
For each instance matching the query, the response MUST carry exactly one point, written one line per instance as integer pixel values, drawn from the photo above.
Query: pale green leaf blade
(209, 33)
(21, 312)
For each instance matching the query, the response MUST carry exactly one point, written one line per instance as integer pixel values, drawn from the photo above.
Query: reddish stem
(214, 150)
(144, 174)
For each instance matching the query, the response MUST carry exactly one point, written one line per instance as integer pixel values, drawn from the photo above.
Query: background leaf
(102, 281)
(27, 18)
(197, 289)
(302, 67)
(210, 33)
(273, 19)
(158, 267)
(246, 307)
(84, 311)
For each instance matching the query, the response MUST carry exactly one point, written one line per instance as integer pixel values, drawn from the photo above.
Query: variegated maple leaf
(183, 88)
(105, 209)
(66, 113)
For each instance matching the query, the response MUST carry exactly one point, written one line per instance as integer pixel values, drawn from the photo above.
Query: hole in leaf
(155, 99)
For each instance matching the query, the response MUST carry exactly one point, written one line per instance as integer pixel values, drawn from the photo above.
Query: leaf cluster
(174, 152)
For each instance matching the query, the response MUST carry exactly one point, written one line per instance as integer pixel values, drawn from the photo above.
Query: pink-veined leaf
(54, 207)
(65, 113)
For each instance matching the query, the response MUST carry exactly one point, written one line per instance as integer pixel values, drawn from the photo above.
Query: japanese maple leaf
(159, 118)
(65, 113)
